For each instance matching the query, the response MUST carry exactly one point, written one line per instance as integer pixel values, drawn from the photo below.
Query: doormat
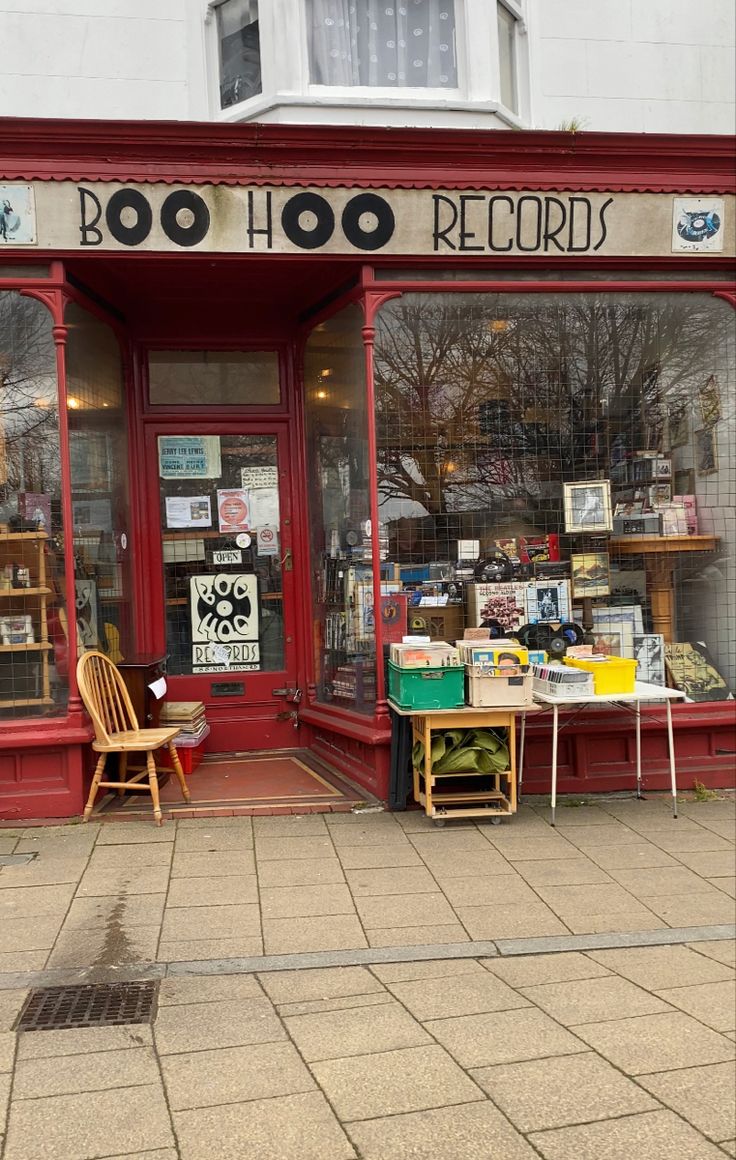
(236, 783)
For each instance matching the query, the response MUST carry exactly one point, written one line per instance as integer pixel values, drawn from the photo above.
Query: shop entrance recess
(226, 558)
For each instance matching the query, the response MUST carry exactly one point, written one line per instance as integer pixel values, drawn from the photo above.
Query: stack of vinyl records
(188, 717)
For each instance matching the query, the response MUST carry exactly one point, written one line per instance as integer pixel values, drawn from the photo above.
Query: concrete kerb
(504, 948)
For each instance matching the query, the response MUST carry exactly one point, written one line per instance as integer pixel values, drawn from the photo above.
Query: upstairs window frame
(511, 10)
(394, 94)
(215, 64)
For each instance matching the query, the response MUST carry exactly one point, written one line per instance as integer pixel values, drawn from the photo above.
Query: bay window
(239, 51)
(406, 44)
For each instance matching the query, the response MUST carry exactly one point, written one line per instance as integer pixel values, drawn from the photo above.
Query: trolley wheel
(496, 821)
(439, 822)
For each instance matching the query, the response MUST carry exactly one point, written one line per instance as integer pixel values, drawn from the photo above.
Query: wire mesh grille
(534, 424)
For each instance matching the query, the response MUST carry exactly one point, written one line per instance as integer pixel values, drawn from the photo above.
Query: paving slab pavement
(373, 988)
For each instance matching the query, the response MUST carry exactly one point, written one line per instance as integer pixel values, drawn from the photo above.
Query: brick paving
(607, 1051)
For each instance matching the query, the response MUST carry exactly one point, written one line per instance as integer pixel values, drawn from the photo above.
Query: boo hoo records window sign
(264, 219)
(224, 612)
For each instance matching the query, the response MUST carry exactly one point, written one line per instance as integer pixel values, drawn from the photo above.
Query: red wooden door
(226, 616)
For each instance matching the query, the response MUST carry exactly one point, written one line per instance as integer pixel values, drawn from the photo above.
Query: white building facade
(603, 66)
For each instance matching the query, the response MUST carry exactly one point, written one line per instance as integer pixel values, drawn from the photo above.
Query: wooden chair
(106, 699)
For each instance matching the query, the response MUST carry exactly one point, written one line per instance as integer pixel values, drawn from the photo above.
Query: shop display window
(34, 647)
(564, 458)
(339, 511)
(98, 454)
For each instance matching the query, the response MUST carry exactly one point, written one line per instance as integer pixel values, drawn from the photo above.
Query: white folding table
(643, 692)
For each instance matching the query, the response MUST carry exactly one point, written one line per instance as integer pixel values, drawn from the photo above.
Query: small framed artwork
(685, 482)
(709, 397)
(16, 629)
(663, 469)
(588, 506)
(607, 644)
(660, 493)
(631, 510)
(706, 455)
(679, 426)
(649, 657)
(590, 574)
(548, 602)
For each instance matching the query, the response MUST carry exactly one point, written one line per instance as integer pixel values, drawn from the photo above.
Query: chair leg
(97, 778)
(153, 783)
(179, 772)
(122, 772)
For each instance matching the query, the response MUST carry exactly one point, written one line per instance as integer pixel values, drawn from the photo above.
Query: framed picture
(709, 397)
(90, 461)
(706, 456)
(548, 602)
(691, 669)
(685, 482)
(679, 425)
(649, 657)
(590, 574)
(663, 469)
(607, 644)
(631, 510)
(624, 619)
(660, 493)
(16, 629)
(588, 506)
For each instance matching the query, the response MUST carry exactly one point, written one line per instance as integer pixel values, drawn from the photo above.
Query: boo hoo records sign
(262, 220)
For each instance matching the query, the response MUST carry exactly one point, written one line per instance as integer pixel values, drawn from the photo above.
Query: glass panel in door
(220, 519)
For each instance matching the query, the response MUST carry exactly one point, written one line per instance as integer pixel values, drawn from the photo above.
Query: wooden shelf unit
(27, 550)
(435, 791)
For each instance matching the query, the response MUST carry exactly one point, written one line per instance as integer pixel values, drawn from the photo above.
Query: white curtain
(382, 43)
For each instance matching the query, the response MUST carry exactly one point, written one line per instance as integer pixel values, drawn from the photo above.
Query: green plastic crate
(442, 688)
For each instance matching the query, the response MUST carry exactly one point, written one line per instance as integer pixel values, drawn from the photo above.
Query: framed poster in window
(588, 506)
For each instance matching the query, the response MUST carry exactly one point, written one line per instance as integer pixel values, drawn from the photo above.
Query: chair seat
(135, 740)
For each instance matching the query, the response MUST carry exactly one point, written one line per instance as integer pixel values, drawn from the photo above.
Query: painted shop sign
(261, 220)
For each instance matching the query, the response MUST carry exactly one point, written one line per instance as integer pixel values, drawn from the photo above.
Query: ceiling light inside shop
(72, 403)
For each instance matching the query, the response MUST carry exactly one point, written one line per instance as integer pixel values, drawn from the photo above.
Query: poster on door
(224, 614)
(233, 510)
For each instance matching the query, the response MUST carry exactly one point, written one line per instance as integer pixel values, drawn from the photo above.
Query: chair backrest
(105, 696)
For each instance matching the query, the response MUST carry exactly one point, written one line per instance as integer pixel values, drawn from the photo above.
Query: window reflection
(488, 404)
(337, 450)
(34, 650)
(99, 482)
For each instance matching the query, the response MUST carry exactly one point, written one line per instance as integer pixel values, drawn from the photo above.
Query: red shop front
(259, 381)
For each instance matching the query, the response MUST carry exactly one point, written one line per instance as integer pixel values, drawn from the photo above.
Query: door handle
(286, 561)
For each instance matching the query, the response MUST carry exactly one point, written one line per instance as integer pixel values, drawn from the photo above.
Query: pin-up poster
(189, 457)
(233, 510)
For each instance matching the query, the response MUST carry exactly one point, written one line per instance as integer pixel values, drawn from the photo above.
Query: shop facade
(259, 382)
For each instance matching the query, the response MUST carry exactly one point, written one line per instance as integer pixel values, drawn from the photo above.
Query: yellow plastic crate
(613, 675)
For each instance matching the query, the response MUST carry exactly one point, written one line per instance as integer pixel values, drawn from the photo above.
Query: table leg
(429, 808)
(513, 785)
(521, 755)
(555, 719)
(638, 748)
(671, 740)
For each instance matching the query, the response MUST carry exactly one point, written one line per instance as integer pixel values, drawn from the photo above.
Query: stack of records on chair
(188, 717)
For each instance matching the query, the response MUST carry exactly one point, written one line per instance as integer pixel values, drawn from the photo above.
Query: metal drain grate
(92, 1005)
